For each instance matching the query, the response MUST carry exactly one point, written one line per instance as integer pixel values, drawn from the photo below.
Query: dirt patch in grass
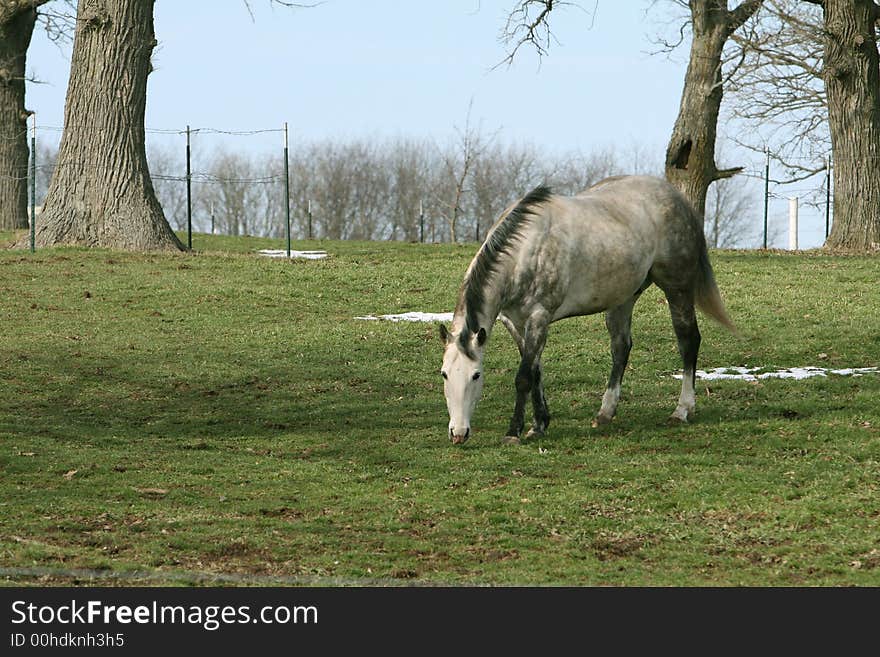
(618, 545)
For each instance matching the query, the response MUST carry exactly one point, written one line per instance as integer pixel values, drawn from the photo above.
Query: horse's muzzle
(459, 440)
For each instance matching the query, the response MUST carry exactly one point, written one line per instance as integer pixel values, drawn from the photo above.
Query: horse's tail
(708, 297)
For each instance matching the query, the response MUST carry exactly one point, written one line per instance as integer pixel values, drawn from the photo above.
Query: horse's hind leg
(618, 321)
(684, 321)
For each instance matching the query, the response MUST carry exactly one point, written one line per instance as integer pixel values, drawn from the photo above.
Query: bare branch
(298, 5)
(682, 22)
(721, 174)
(777, 91)
(60, 24)
(528, 24)
(283, 3)
(738, 16)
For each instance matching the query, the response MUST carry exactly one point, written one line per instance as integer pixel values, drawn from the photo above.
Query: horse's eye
(476, 376)
(443, 374)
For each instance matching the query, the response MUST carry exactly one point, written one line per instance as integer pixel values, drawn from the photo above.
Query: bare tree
(47, 154)
(690, 155)
(852, 85)
(373, 189)
(236, 184)
(167, 171)
(302, 189)
(459, 159)
(490, 193)
(777, 91)
(17, 20)
(501, 174)
(528, 25)
(371, 185)
(334, 196)
(810, 79)
(409, 166)
(577, 171)
(728, 206)
(101, 193)
(270, 216)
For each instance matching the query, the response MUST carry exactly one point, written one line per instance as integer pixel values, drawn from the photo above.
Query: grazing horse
(550, 257)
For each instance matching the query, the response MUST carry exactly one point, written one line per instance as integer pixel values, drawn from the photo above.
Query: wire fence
(192, 177)
(813, 192)
(189, 177)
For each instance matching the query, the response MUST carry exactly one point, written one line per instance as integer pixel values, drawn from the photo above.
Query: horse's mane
(499, 242)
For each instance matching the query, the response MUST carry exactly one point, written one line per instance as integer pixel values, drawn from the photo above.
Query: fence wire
(777, 189)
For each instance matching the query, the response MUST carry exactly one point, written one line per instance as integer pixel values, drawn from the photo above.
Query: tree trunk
(16, 27)
(101, 193)
(690, 156)
(852, 85)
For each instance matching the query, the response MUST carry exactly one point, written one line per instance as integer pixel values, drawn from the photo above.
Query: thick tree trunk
(16, 27)
(852, 85)
(101, 193)
(690, 156)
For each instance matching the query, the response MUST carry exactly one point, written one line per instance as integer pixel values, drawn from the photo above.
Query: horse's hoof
(676, 420)
(534, 433)
(511, 440)
(600, 420)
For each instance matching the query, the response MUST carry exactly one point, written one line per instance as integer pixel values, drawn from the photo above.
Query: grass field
(223, 414)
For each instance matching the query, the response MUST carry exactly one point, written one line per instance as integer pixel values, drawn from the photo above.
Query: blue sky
(380, 67)
(362, 68)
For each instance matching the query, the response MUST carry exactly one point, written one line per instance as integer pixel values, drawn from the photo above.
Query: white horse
(549, 257)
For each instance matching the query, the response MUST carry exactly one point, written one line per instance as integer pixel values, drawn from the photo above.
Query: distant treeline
(373, 189)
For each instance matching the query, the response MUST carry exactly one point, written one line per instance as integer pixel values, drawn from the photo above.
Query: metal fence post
(286, 189)
(766, 194)
(34, 183)
(827, 197)
(310, 218)
(189, 234)
(421, 222)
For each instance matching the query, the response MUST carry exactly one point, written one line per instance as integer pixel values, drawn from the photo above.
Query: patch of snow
(856, 371)
(722, 373)
(797, 373)
(411, 317)
(282, 253)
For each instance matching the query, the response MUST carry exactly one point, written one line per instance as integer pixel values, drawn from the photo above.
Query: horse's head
(462, 378)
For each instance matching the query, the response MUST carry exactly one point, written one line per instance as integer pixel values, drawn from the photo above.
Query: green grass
(220, 412)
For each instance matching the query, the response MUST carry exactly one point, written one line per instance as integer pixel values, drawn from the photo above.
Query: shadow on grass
(120, 402)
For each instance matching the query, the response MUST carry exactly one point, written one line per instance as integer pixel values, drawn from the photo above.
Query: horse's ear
(444, 334)
(481, 337)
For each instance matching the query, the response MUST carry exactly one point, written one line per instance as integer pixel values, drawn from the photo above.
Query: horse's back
(645, 211)
(651, 208)
(602, 245)
(656, 195)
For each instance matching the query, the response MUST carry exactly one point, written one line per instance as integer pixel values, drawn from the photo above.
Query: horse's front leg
(528, 377)
(539, 401)
(541, 418)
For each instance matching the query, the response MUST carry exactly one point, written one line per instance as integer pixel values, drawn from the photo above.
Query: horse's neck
(485, 316)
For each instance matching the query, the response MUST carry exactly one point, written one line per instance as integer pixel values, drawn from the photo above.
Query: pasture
(224, 414)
